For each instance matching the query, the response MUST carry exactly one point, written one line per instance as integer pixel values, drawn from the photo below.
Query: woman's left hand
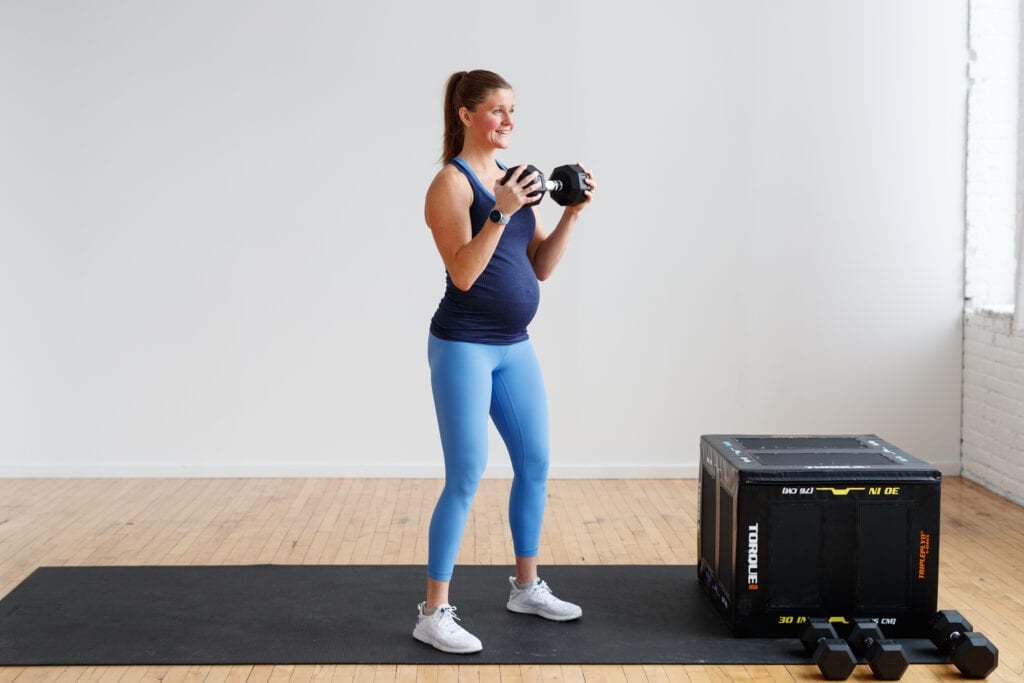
(589, 194)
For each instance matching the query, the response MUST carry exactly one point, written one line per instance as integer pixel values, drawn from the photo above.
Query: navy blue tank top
(504, 299)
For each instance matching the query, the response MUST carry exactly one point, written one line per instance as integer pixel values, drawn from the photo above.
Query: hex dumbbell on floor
(972, 653)
(566, 184)
(884, 657)
(833, 655)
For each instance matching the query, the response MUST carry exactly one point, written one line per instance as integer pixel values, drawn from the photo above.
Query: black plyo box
(799, 527)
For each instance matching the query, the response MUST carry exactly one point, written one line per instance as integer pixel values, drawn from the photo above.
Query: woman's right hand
(511, 196)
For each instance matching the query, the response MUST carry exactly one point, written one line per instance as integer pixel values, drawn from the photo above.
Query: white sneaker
(440, 630)
(538, 599)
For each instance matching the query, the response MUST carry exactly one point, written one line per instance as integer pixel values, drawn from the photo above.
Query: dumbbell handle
(545, 183)
(869, 641)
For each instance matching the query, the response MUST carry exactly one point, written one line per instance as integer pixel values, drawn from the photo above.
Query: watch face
(496, 217)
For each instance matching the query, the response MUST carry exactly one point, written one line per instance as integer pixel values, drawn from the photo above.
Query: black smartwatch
(499, 218)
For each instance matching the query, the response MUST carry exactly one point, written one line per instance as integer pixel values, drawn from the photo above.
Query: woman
(482, 364)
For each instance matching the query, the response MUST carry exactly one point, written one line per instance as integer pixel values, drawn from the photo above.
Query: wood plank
(384, 521)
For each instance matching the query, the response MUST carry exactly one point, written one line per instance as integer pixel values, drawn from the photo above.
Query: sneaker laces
(541, 591)
(446, 619)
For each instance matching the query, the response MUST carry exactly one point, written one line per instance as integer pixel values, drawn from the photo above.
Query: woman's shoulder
(450, 170)
(450, 181)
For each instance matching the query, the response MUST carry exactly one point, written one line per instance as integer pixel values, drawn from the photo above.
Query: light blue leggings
(469, 382)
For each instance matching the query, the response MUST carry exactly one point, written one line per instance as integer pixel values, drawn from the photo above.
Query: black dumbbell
(885, 657)
(833, 655)
(972, 653)
(566, 184)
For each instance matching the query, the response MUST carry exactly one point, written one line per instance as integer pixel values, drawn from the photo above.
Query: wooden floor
(330, 521)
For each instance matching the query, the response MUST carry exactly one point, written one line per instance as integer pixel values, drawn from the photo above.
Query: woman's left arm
(545, 251)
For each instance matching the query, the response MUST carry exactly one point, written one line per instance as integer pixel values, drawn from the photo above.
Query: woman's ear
(464, 116)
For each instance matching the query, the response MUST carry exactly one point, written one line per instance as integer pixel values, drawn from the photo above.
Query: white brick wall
(993, 423)
(993, 382)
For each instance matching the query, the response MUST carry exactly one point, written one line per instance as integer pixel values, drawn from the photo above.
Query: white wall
(214, 262)
(991, 164)
(993, 420)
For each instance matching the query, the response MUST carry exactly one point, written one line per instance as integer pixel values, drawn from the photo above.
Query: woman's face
(491, 123)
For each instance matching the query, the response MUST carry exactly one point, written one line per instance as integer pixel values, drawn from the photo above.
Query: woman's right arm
(447, 212)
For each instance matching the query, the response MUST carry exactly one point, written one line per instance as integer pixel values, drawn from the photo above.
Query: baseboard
(342, 471)
(361, 471)
(1000, 489)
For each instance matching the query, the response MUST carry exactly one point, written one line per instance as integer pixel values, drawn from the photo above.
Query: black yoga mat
(275, 614)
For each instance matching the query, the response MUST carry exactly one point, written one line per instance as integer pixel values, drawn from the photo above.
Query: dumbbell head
(835, 660)
(863, 634)
(572, 181)
(815, 631)
(540, 184)
(972, 653)
(884, 657)
(944, 624)
(833, 656)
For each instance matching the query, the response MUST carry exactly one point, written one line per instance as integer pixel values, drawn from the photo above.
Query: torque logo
(752, 535)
